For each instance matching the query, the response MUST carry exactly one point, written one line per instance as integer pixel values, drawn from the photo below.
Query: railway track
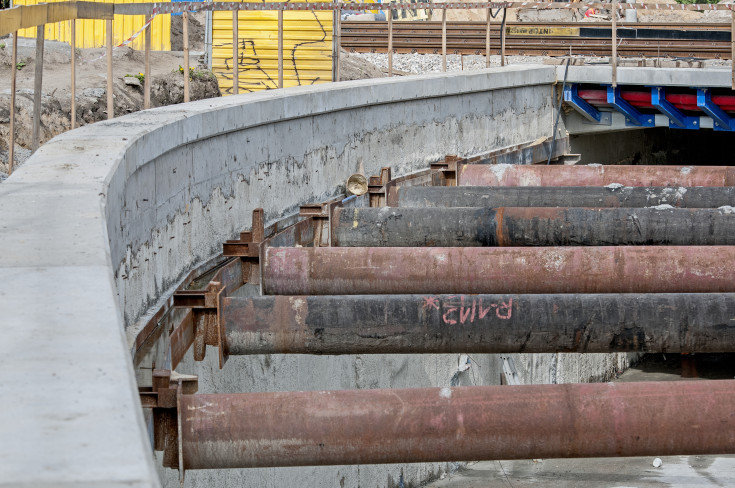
(707, 41)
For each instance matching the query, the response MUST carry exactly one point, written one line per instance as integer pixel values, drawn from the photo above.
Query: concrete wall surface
(103, 222)
(683, 77)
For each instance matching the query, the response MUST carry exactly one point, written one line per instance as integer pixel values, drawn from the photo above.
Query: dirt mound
(91, 95)
(169, 89)
(91, 107)
(355, 68)
(196, 32)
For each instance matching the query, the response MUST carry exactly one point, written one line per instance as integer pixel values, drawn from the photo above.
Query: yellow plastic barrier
(91, 33)
(307, 49)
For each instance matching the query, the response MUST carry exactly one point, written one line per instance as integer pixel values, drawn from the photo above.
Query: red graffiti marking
(464, 312)
(468, 312)
(431, 302)
(508, 307)
(446, 319)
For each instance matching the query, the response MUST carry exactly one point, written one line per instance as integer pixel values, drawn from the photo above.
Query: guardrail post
(487, 39)
(147, 70)
(502, 38)
(337, 23)
(73, 23)
(614, 55)
(280, 48)
(444, 38)
(11, 145)
(110, 102)
(185, 22)
(37, 86)
(390, 41)
(235, 74)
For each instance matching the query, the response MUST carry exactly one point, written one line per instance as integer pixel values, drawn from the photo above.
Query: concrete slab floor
(676, 471)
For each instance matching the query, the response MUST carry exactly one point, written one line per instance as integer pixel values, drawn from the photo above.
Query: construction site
(351, 244)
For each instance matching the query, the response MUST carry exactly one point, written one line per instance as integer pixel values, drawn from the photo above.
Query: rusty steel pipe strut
(452, 270)
(593, 175)
(566, 196)
(468, 423)
(417, 324)
(531, 226)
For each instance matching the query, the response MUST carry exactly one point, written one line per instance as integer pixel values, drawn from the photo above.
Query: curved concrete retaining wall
(102, 222)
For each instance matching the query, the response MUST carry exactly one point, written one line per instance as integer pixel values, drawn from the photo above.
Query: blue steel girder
(632, 115)
(571, 96)
(721, 120)
(677, 119)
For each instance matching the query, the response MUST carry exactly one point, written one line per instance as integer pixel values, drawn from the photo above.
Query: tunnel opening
(655, 146)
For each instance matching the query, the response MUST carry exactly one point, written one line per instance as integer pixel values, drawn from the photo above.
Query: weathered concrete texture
(105, 220)
(271, 153)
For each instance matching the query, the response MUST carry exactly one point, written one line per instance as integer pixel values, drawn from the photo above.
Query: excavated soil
(91, 96)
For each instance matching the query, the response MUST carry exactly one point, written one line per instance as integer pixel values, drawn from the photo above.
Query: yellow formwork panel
(92, 33)
(307, 49)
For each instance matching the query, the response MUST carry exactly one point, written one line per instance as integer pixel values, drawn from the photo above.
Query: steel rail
(469, 38)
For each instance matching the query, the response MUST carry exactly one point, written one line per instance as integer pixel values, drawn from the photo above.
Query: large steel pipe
(565, 196)
(531, 226)
(364, 324)
(593, 175)
(451, 270)
(458, 424)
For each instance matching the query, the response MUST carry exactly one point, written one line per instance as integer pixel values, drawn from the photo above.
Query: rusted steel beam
(565, 196)
(450, 270)
(531, 226)
(457, 424)
(410, 324)
(597, 175)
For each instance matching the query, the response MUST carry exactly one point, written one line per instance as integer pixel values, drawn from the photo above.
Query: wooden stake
(487, 40)
(614, 57)
(37, 87)
(14, 62)
(73, 73)
(185, 22)
(280, 48)
(444, 39)
(390, 41)
(235, 67)
(502, 39)
(732, 49)
(338, 37)
(147, 69)
(110, 102)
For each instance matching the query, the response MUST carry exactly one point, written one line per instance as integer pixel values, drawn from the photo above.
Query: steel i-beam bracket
(164, 398)
(721, 120)
(571, 96)
(632, 116)
(677, 119)
(447, 168)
